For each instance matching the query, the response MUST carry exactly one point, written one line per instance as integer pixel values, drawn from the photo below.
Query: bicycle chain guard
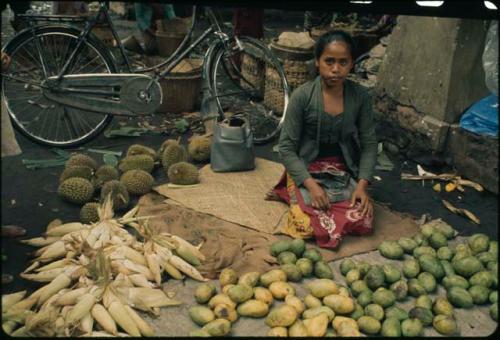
(118, 94)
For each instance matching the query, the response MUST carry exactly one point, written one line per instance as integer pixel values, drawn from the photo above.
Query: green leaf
(110, 159)
(181, 125)
(116, 153)
(125, 131)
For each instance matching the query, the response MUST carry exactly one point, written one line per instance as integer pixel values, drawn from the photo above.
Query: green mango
(482, 278)
(363, 267)
(396, 312)
(392, 274)
(201, 315)
(391, 327)
(480, 294)
(419, 239)
(421, 250)
(346, 265)
(427, 281)
(400, 289)
(358, 286)
(442, 306)
(460, 297)
(375, 311)
(427, 230)
(493, 248)
(423, 314)
(455, 280)
(293, 272)
(352, 275)
(494, 311)
(445, 229)
(445, 253)
(407, 244)
(287, 257)
(448, 268)
(298, 246)
(322, 270)
(411, 268)
(438, 240)
(493, 297)
(431, 264)
(467, 266)
(358, 312)
(391, 250)
(365, 298)
(312, 254)
(384, 297)
(305, 266)
(411, 327)
(415, 289)
(423, 301)
(486, 257)
(375, 277)
(445, 324)
(478, 243)
(240, 293)
(369, 325)
(279, 246)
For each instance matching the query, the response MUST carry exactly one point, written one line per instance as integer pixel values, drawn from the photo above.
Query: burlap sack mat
(227, 244)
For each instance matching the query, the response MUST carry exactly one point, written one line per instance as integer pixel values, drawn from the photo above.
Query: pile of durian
(85, 183)
(97, 275)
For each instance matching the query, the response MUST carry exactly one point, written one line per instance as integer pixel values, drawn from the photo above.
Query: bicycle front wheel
(246, 78)
(37, 117)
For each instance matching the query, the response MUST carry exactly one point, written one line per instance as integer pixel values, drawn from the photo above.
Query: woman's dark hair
(331, 36)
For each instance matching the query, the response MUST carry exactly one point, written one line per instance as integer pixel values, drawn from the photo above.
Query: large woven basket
(181, 87)
(169, 34)
(253, 70)
(295, 63)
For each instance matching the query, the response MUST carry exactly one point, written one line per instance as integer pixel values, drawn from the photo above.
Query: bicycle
(63, 87)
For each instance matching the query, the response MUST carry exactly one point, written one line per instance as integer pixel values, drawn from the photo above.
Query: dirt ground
(29, 197)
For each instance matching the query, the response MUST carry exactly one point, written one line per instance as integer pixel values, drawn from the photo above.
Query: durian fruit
(119, 194)
(137, 162)
(183, 173)
(199, 148)
(138, 149)
(80, 159)
(76, 171)
(104, 174)
(137, 182)
(173, 154)
(76, 190)
(165, 144)
(88, 213)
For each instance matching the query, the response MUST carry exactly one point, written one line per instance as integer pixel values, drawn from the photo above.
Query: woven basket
(253, 70)
(181, 87)
(295, 65)
(169, 34)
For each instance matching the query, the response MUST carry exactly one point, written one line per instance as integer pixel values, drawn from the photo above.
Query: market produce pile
(97, 275)
(85, 183)
(369, 304)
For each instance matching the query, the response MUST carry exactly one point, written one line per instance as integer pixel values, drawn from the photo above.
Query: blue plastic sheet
(482, 117)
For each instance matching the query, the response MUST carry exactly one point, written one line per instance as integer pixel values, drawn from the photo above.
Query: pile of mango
(468, 272)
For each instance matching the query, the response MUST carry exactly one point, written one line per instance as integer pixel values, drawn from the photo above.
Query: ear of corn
(147, 297)
(81, 309)
(52, 265)
(154, 267)
(41, 241)
(172, 271)
(16, 316)
(139, 280)
(187, 255)
(55, 250)
(118, 312)
(102, 317)
(8, 326)
(138, 269)
(20, 332)
(24, 304)
(186, 268)
(45, 276)
(70, 297)
(133, 255)
(32, 267)
(10, 299)
(196, 252)
(143, 326)
(44, 293)
(65, 229)
(87, 323)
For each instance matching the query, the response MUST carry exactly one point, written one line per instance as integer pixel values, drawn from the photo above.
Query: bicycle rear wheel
(249, 80)
(37, 117)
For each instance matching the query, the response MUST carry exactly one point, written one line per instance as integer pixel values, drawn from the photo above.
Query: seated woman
(328, 140)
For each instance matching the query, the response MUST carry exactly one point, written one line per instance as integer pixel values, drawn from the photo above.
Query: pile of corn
(97, 275)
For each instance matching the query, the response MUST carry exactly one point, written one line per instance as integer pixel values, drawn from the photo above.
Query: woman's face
(335, 63)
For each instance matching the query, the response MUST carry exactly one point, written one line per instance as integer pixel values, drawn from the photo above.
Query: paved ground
(29, 197)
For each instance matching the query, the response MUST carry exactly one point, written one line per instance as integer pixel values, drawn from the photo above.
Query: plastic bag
(490, 58)
(482, 117)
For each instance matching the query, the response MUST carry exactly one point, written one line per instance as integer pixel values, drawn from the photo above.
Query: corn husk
(41, 241)
(194, 250)
(87, 324)
(118, 312)
(139, 280)
(146, 298)
(11, 299)
(44, 293)
(70, 297)
(144, 327)
(9, 326)
(186, 268)
(65, 229)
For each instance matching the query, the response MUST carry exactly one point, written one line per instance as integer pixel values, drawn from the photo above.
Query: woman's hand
(319, 198)
(359, 194)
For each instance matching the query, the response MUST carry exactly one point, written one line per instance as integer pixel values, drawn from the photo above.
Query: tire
(240, 90)
(67, 120)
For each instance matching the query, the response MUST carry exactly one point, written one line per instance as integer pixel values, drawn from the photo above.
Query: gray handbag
(232, 146)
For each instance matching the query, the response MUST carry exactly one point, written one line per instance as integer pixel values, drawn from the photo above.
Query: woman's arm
(288, 147)
(368, 157)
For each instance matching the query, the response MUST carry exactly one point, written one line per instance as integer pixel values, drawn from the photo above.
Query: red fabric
(339, 220)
